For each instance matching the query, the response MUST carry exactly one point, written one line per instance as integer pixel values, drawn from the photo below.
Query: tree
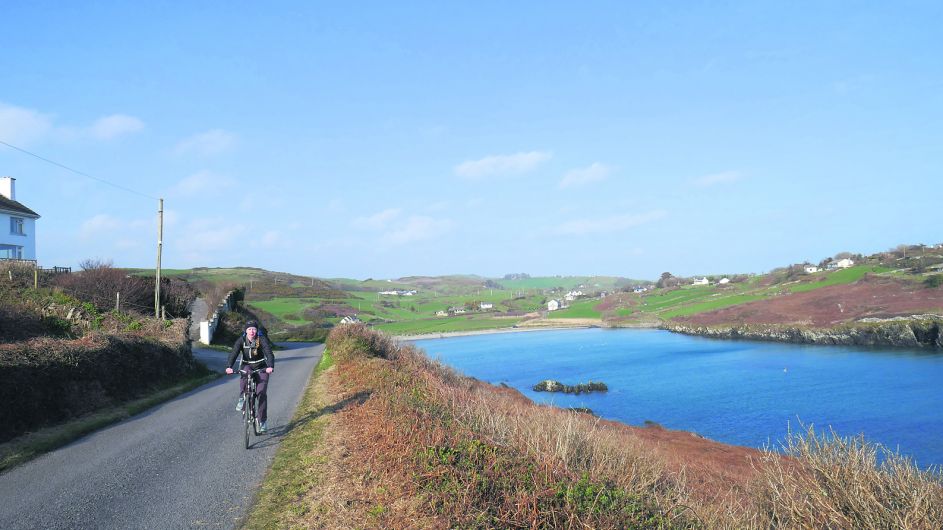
(665, 276)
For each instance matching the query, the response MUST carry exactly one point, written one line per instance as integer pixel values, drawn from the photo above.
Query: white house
(486, 306)
(843, 263)
(701, 281)
(349, 319)
(809, 269)
(553, 305)
(442, 313)
(17, 224)
(724, 281)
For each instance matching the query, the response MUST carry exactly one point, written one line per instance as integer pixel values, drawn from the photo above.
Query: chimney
(7, 187)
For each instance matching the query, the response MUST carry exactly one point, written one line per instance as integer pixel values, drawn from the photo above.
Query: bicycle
(248, 406)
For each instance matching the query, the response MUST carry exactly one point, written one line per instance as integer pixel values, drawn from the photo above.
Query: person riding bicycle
(256, 355)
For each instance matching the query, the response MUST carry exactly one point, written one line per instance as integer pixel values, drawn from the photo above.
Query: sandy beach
(447, 334)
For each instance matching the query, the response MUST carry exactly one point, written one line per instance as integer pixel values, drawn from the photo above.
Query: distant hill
(898, 282)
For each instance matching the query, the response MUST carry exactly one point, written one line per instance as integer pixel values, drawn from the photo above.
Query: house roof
(15, 207)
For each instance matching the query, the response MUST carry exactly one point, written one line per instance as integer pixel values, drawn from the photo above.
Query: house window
(11, 252)
(16, 226)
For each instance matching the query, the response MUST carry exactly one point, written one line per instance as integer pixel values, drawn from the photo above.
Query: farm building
(701, 281)
(553, 305)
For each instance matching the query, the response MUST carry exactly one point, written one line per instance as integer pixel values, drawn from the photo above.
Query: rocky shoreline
(918, 331)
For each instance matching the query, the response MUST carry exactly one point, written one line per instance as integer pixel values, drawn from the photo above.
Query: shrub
(934, 281)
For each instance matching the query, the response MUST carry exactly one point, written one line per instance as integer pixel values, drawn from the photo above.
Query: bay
(737, 392)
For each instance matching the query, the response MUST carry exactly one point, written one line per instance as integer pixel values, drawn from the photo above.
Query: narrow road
(181, 464)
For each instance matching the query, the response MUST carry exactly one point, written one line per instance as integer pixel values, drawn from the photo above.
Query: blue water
(738, 392)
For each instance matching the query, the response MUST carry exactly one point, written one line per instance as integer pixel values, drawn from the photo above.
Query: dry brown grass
(834, 482)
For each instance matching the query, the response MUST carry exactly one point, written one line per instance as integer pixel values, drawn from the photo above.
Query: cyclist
(256, 355)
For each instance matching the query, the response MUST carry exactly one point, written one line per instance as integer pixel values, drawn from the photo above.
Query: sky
(386, 139)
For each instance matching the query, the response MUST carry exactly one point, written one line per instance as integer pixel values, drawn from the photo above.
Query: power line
(77, 172)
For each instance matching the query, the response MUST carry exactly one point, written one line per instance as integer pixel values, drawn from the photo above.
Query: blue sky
(393, 139)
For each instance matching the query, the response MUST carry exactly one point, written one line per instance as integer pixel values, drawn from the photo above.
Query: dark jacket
(257, 355)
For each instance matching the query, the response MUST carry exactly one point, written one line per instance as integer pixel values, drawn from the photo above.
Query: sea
(738, 392)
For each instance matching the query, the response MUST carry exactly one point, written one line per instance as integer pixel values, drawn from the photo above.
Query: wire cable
(77, 172)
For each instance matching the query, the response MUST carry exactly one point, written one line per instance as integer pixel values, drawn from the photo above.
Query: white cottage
(553, 305)
(350, 319)
(17, 224)
(701, 281)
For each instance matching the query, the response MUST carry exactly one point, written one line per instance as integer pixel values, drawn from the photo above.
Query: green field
(284, 295)
(579, 309)
(849, 275)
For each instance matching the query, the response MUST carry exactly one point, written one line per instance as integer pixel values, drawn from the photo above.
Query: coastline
(495, 331)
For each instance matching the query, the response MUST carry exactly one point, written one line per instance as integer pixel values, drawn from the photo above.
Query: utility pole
(160, 244)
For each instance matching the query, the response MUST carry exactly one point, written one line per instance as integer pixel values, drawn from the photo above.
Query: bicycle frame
(248, 407)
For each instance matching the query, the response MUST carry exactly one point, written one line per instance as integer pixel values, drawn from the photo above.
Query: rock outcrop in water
(550, 385)
(918, 331)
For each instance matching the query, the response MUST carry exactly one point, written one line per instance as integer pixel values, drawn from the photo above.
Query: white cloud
(202, 182)
(395, 228)
(22, 126)
(213, 235)
(115, 125)
(586, 175)
(717, 178)
(496, 165)
(613, 223)
(212, 142)
(377, 221)
(417, 228)
(98, 226)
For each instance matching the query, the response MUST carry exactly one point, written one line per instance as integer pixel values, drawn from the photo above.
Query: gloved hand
(269, 370)
(229, 371)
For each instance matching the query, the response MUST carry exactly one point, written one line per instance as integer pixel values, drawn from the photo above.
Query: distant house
(724, 281)
(843, 263)
(486, 306)
(349, 319)
(553, 305)
(809, 269)
(701, 281)
(639, 289)
(19, 242)
(398, 292)
(572, 295)
(442, 313)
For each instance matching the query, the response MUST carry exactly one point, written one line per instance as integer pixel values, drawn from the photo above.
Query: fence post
(35, 279)
(118, 301)
(163, 312)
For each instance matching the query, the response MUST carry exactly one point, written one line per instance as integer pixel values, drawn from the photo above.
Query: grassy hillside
(291, 302)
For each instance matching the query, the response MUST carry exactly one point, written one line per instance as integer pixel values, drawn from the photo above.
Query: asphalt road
(181, 464)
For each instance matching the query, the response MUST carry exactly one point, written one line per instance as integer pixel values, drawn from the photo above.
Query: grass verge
(297, 464)
(29, 446)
